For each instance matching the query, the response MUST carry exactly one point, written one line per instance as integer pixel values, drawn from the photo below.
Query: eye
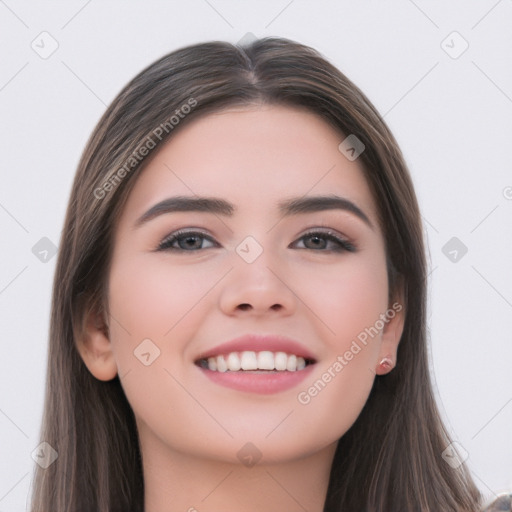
(190, 241)
(319, 240)
(184, 241)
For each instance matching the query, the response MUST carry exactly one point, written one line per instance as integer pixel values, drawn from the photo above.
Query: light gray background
(451, 114)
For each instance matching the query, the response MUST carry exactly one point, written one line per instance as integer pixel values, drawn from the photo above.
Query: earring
(386, 363)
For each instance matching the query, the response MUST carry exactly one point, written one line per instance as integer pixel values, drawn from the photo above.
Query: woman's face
(250, 266)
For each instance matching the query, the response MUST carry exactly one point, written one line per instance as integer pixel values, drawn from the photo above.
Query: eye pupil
(191, 239)
(317, 241)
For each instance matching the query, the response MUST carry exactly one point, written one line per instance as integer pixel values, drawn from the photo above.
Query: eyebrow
(217, 206)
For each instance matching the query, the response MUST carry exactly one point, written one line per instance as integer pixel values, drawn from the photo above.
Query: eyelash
(344, 245)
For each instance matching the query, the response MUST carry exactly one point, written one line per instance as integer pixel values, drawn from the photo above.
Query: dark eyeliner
(344, 244)
(165, 244)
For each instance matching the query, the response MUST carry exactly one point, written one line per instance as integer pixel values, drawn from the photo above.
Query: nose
(258, 288)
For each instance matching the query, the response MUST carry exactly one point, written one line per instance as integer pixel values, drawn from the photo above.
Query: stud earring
(386, 363)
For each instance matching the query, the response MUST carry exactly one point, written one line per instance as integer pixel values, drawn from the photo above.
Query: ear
(391, 333)
(95, 348)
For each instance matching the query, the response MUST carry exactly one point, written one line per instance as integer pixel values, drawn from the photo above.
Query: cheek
(150, 295)
(349, 301)
(347, 298)
(152, 299)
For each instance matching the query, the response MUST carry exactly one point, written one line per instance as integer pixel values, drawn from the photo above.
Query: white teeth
(266, 360)
(221, 364)
(291, 365)
(280, 361)
(234, 363)
(249, 360)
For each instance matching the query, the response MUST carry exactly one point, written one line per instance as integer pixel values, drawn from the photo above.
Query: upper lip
(258, 343)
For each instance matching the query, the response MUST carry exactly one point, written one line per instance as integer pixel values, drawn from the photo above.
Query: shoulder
(502, 503)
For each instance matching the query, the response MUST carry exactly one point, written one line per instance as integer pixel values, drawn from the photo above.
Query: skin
(185, 302)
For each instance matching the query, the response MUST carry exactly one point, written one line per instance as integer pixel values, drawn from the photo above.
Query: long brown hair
(390, 460)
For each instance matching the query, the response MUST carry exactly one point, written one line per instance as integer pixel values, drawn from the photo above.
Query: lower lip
(262, 383)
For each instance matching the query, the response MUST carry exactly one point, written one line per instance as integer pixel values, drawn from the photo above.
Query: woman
(238, 317)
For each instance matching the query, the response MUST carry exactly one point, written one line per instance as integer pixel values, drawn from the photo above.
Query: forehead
(253, 156)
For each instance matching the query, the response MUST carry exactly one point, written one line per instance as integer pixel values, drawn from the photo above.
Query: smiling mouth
(255, 362)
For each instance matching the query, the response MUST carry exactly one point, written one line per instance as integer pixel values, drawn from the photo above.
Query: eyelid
(319, 228)
(183, 232)
(347, 243)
